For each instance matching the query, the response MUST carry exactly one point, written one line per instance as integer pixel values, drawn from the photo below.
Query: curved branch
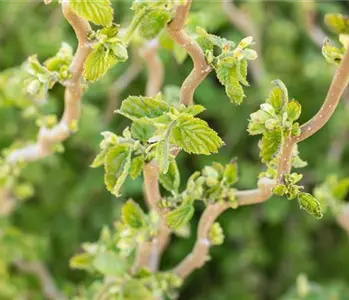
(47, 138)
(335, 92)
(201, 69)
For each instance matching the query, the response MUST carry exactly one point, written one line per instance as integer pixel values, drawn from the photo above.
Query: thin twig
(47, 138)
(39, 270)
(201, 69)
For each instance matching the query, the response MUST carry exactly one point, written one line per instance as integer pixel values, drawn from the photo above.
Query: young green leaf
(338, 23)
(216, 235)
(194, 135)
(276, 99)
(142, 130)
(161, 155)
(117, 164)
(110, 263)
(230, 173)
(138, 107)
(152, 23)
(308, 203)
(193, 110)
(136, 166)
(171, 180)
(99, 160)
(294, 110)
(98, 62)
(99, 12)
(132, 214)
(270, 144)
(180, 216)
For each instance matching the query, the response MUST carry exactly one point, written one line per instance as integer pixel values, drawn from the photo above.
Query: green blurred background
(267, 246)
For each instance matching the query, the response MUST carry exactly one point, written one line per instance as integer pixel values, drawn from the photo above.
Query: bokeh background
(267, 246)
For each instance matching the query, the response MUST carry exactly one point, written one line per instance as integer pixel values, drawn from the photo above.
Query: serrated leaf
(97, 63)
(117, 164)
(308, 203)
(138, 107)
(230, 173)
(109, 263)
(194, 135)
(270, 144)
(136, 166)
(241, 70)
(235, 92)
(99, 160)
(171, 180)
(193, 110)
(294, 110)
(161, 155)
(152, 23)
(142, 130)
(275, 99)
(132, 214)
(180, 216)
(99, 12)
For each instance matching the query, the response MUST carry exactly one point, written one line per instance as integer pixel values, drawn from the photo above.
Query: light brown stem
(201, 69)
(47, 138)
(337, 87)
(39, 270)
(245, 24)
(343, 219)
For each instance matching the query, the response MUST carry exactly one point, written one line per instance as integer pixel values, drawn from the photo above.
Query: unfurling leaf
(171, 180)
(310, 205)
(99, 12)
(337, 23)
(270, 144)
(136, 166)
(152, 24)
(99, 160)
(138, 107)
(276, 99)
(132, 214)
(161, 155)
(332, 54)
(294, 110)
(117, 164)
(194, 135)
(216, 235)
(230, 173)
(180, 216)
(98, 62)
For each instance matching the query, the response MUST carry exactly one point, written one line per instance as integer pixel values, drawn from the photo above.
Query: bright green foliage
(99, 12)
(152, 24)
(43, 77)
(171, 180)
(137, 166)
(108, 50)
(193, 135)
(110, 256)
(338, 23)
(310, 205)
(216, 235)
(230, 64)
(331, 194)
(180, 216)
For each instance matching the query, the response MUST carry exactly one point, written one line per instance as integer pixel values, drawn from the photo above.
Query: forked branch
(47, 138)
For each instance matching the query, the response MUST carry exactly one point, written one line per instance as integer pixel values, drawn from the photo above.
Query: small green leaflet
(230, 174)
(137, 166)
(171, 180)
(270, 144)
(294, 110)
(98, 62)
(193, 110)
(110, 263)
(193, 135)
(99, 12)
(142, 130)
(216, 235)
(99, 160)
(132, 214)
(161, 155)
(117, 164)
(276, 99)
(152, 23)
(308, 203)
(138, 107)
(338, 23)
(180, 216)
